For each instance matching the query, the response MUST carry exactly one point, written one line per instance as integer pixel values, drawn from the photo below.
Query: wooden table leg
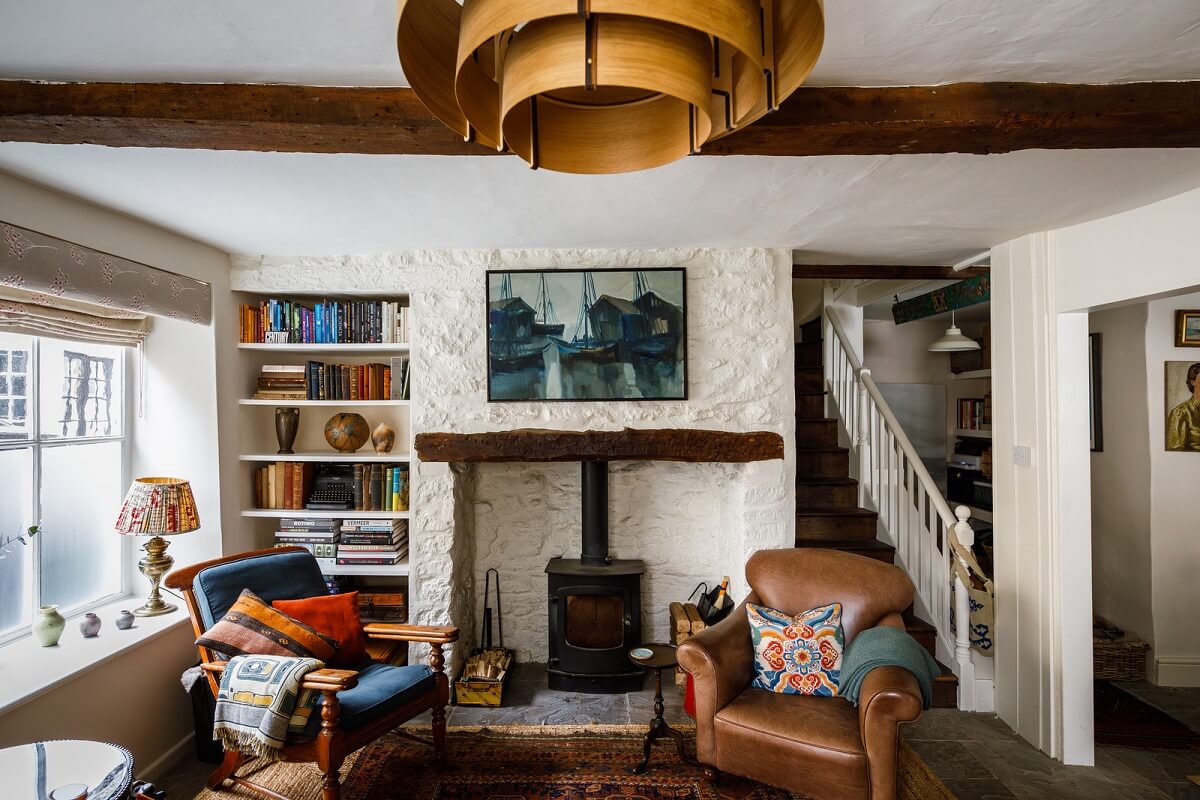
(659, 728)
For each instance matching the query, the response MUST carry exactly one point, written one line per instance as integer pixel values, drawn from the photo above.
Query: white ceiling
(898, 209)
(869, 42)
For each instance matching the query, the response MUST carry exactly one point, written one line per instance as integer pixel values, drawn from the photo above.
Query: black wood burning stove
(595, 605)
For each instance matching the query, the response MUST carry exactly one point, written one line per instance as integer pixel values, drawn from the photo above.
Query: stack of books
(327, 322)
(372, 542)
(320, 537)
(284, 484)
(348, 381)
(380, 487)
(282, 382)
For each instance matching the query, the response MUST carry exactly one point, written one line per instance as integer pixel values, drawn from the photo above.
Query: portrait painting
(596, 334)
(1183, 406)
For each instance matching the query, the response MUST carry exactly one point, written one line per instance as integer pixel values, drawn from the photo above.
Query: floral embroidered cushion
(799, 654)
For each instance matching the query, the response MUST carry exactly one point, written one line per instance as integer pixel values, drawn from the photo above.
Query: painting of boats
(575, 335)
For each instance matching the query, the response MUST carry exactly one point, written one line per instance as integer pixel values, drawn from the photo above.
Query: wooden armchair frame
(332, 744)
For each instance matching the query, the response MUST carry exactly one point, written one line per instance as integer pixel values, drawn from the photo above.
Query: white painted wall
(689, 522)
(135, 699)
(1041, 283)
(1121, 529)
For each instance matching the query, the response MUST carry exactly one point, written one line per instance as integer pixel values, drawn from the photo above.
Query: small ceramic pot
(287, 424)
(48, 627)
(89, 626)
(383, 438)
(124, 620)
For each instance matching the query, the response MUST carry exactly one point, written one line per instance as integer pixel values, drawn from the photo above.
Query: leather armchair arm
(721, 661)
(889, 697)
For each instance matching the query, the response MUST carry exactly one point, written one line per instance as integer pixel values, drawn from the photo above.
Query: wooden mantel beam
(814, 121)
(660, 444)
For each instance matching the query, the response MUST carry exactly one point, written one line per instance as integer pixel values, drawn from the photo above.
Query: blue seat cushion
(381, 689)
(271, 576)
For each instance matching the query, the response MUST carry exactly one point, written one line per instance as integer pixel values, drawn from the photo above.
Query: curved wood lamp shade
(605, 86)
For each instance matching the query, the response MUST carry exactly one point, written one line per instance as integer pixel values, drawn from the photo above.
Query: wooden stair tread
(818, 480)
(851, 545)
(835, 511)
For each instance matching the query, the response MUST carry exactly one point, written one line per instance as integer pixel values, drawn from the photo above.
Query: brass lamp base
(154, 566)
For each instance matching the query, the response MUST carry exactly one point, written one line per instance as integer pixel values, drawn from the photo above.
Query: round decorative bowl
(347, 432)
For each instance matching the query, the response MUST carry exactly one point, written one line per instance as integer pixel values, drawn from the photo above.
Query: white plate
(641, 652)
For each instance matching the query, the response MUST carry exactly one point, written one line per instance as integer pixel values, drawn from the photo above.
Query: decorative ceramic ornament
(287, 424)
(49, 625)
(124, 620)
(383, 438)
(89, 626)
(346, 432)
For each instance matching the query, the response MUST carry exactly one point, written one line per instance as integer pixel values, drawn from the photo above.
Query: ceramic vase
(124, 620)
(383, 438)
(287, 423)
(48, 627)
(89, 626)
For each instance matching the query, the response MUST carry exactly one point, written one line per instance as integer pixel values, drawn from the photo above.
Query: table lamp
(157, 507)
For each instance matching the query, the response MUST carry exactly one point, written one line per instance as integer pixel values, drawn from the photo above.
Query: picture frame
(610, 334)
(1187, 328)
(1095, 391)
(1181, 411)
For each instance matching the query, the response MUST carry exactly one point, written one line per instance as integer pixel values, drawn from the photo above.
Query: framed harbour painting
(1187, 328)
(587, 335)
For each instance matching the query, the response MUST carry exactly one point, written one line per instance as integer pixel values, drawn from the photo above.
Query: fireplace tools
(486, 670)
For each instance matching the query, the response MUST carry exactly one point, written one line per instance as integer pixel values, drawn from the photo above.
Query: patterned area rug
(531, 763)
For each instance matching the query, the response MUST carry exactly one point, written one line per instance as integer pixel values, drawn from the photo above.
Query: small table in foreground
(33, 771)
(662, 657)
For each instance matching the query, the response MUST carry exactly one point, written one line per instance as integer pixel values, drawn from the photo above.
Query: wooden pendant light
(605, 86)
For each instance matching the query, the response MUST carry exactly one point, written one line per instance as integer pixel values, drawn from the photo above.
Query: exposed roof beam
(814, 121)
(883, 272)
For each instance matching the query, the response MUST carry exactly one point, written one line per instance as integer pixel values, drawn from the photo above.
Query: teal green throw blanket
(886, 647)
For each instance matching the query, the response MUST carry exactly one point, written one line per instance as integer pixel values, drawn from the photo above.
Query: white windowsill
(28, 670)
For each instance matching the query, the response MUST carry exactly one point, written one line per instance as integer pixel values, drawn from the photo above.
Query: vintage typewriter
(333, 488)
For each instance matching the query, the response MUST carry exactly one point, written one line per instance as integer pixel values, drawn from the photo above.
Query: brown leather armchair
(820, 747)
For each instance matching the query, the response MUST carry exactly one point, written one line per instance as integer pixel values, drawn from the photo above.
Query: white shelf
(972, 375)
(304, 512)
(975, 434)
(395, 570)
(327, 456)
(344, 347)
(299, 403)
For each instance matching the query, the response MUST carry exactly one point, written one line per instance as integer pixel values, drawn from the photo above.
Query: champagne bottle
(723, 598)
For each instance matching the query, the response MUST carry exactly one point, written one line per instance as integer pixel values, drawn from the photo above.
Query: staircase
(827, 498)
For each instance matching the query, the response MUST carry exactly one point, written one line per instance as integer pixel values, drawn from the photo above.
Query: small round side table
(33, 771)
(662, 657)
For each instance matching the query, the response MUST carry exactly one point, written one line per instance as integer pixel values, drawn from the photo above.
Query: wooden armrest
(322, 680)
(430, 634)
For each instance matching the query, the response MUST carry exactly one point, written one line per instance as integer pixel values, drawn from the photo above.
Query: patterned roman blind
(52, 272)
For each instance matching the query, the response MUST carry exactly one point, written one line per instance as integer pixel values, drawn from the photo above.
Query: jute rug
(538, 763)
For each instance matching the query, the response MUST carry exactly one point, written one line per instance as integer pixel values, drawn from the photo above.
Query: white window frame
(37, 445)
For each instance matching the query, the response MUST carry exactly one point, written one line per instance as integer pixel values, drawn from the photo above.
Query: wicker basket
(1122, 660)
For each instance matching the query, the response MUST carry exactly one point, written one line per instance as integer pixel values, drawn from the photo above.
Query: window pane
(81, 494)
(14, 386)
(81, 389)
(16, 514)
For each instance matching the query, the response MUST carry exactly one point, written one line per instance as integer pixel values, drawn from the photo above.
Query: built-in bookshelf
(363, 334)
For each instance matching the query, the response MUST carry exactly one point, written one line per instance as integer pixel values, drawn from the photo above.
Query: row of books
(363, 542)
(326, 322)
(317, 380)
(974, 414)
(380, 487)
(375, 487)
(284, 484)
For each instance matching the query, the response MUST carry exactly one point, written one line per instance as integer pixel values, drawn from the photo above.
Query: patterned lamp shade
(158, 506)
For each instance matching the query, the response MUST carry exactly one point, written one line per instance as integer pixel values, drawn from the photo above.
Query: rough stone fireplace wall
(689, 522)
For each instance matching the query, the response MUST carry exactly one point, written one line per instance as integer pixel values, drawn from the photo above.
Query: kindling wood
(814, 121)
(663, 444)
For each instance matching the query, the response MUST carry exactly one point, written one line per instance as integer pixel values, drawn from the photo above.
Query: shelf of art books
(322, 514)
(327, 456)
(345, 347)
(250, 401)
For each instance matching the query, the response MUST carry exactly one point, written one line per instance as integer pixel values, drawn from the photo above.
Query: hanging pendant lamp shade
(605, 86)
(953, 340)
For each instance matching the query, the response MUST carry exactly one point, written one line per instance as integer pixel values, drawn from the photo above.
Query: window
(62, 466)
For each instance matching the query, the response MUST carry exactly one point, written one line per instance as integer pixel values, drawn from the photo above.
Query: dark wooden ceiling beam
(814, 121)
(884, 272)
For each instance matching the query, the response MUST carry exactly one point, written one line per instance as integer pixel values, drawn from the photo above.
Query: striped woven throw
(260, 702)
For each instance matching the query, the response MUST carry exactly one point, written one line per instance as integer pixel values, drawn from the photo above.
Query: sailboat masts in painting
(585, 344)
(545, 321)
(511, 320)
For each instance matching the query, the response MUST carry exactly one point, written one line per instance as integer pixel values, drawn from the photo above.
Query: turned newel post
(863, 439)
(962, 611)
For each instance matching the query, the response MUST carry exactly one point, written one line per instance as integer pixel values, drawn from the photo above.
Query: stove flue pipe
(595, 513)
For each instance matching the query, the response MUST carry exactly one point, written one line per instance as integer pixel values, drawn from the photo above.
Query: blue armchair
(357, 706)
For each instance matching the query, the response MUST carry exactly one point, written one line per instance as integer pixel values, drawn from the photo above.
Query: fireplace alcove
(594, 602)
